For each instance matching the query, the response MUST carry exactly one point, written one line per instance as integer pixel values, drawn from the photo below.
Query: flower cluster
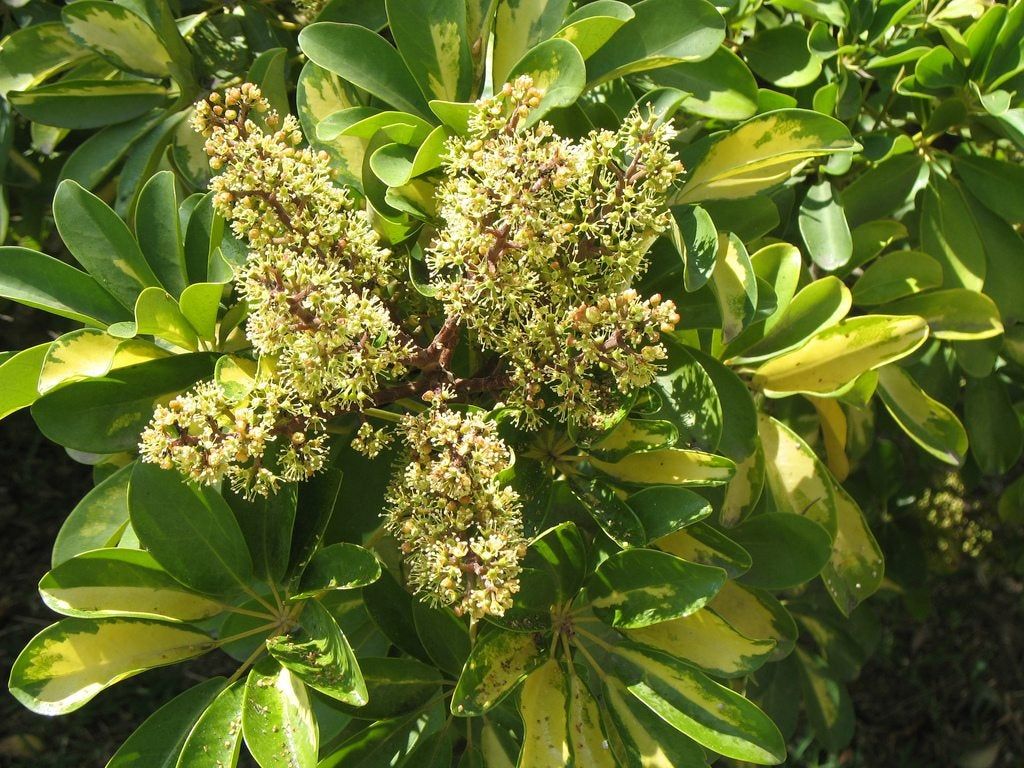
(459, 527)
(540, 233)
(253, 441)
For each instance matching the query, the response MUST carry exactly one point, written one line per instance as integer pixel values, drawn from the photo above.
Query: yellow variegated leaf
(798, 481)
(670, 466)
(735, 285)
(857, 566)
(431, 37)
(757, 615)
(71, 661)
(497, 664)
(119, 35)
(836, 356)
(518, 26)
(19, 375)
(744, 490)
(928, 422)
(76, 355)
(707, 640)
(587, 741)
(832, 419)
(543, 706)
(236, 376)
(320, 93)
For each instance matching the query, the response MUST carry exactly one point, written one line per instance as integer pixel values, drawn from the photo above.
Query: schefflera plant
(485, 329)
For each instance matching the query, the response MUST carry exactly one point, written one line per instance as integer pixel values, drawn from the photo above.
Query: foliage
(504, 383)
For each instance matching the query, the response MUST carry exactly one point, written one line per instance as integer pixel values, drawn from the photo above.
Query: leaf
(639, 587)
(856, 568)
(591, 26)
(735, 286)
(993, 426)
(928, 422)
(787, 550)
(215, 740)
(781, 56)
(543, 705)
(106, 415)
(431, 38)
(120, 36)
(587, 742)
(201, 544)
(704, 545)
(88, 103)
(662, 32)
(610, 512)
(158, 230)
(101, 242)
(518, 27)
(339, 566)
(69, 662)
(158, 741)
(97, 520)
(320, 93)
(896, 275)
(836, 356)
(18, 376)
(954, 314)
(445, 636)
(634, 436)
(32, 54)
(824, 229)
(499, 661)
(36, 280)
(266, 522)
(121, 582)
(200, 304)
(689, 400)
(663, 509)
(708, 641)
(886, 190)
(558, 72)
(277, 720)
(997, 184)
(756, 614)
(320, 655)
(719, 87)
(699, 241)
(760, 153)
(950, 235)
(94, 159)
(710, 714)
(395, 686)
(560, 553)
(799, 483)
(366, 60)
(158, 314)
(671, 466)
(827, 702)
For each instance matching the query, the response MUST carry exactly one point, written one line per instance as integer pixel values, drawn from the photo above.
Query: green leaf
(781, 56)
(663, 509)
(993, 426)
(710, 714)
(708, 641)
(662, 32)
(896, 275)
(689, 400)
(787, 550)
(395, 686)
(158, 314)
(518, 27)
(558, 72)
(158, 742)
(610, 512)
(761, 153)
(702, 544)
(639, 587)
(94, 159)
(320, 655)
(431, 37)
(158, 230)
(277, 720)
(32, 54)
(445, 636)
(106, 415)
(955, 314)
(560, 552)
(824, 228)
(36, 280)
(997, 184)
(200, 304)
(939, 69)
(121, 582)
(634, 436)
(836, 356)
(120, 36)
(886, 190)
(698, 242)
(827, 702)
(366, 60)
(266, 523)
(19, 374)
(339, 566)
(215, 740)
(950, 235)
(201, 544)
(97, 520)
(591, 26)
(719, 87)
(928, 422)
(799, 482)
(88, 103)
(543, 705)
(69, 662)
(671, 466)
(101, 242)
(857, 567)
(499, 661)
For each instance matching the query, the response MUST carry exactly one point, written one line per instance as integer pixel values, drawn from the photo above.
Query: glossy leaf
(669, 466)
(499, 661)
(787, 550)
(216, 738)
(928, 422)
(277, 720)
(856, 568)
